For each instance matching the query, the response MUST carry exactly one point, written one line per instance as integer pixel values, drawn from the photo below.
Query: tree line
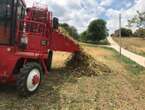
(70, 30)
(95, 32)
(137, 21)
(125, 32)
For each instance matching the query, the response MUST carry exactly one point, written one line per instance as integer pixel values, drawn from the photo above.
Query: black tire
(49, 60)
(22, 78)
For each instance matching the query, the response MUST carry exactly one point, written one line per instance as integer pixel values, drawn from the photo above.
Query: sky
(80, 13)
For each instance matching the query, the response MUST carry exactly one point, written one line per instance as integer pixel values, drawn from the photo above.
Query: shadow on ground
(46, 98)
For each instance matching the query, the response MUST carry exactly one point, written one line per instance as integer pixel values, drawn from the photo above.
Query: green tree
(140, 33)
(97, 30)
(124, 32)
(138, 20)
(72, 31)
(85, 36)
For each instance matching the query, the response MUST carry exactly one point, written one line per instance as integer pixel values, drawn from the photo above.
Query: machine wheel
(29, 79)
(49, 60)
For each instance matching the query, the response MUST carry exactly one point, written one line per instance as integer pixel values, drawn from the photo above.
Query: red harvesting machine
(28, 38)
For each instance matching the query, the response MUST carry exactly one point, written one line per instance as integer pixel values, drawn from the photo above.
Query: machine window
(19, 11)
(5, 18)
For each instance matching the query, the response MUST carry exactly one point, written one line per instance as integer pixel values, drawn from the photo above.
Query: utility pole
(120, 33)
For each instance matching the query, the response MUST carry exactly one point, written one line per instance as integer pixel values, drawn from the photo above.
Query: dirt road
(137, 58)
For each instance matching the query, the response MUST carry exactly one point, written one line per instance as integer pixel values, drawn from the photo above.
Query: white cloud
(106, 2)
(113, 22)
(128, 4)
(80, 12)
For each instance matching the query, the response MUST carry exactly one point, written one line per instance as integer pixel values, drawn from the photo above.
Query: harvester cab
(10, 12)
(28, 38)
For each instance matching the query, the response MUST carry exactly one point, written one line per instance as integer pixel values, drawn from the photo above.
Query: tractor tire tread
(22, 78)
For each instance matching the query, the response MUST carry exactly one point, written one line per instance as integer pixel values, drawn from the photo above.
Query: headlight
(24, 40)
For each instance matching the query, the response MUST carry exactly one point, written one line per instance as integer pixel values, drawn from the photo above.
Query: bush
(96, 31)
(124, 32)
(84, 36)
(140, 33)
(71, 30)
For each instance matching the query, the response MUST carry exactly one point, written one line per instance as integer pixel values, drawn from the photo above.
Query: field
(117, 86)
(136, 45)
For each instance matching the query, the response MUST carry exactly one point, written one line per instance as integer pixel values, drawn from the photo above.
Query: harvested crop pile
(83, 64)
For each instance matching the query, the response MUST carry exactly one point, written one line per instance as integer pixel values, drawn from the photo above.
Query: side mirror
(55, 23)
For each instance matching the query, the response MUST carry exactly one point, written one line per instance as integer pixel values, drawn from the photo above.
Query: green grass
(88, 44)
(130, 65)
(91, 45)
(141, 53)
(102, 42)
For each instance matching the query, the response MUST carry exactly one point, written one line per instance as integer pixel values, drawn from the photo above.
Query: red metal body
(38, 28)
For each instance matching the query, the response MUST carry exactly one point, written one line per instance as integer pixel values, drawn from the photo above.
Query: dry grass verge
(133, 44)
